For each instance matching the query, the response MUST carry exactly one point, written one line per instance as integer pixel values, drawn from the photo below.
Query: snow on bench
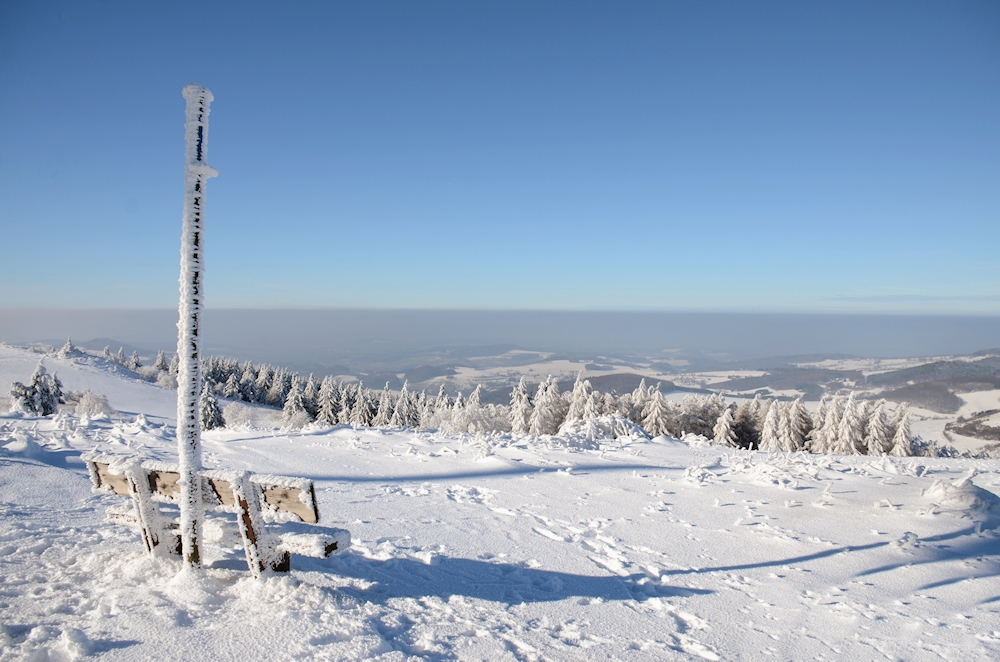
(286, 502)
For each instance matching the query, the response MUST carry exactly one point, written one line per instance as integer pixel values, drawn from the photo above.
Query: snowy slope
(501, 548)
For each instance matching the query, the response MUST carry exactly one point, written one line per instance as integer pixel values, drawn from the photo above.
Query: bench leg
(261, 552)
(155, 535)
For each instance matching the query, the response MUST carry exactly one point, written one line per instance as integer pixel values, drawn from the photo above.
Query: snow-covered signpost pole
(196, 172)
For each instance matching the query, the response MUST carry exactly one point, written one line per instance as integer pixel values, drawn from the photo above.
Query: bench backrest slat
(117, 483)
(282, 498)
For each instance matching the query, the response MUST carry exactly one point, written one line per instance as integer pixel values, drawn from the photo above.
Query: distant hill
(938, 370)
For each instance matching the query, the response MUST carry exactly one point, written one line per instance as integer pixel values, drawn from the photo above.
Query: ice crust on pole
(196, 172)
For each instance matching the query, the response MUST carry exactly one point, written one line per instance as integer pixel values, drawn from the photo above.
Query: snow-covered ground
(504, 548)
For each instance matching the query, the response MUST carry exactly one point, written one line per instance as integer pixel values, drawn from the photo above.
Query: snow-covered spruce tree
(819, 416)
(310, 396)
(326, 401)
(698, 414)
(120, 357)
(638, 400)
(593, 407)
(877, 439)
(280, 384)
(578, 398)
(656, 419)
(901, 440)
(385, 407)
(360, 410)
(546, 418)
(68, 351)
(160, 363)
(106, 354)
(347, 397)
(902, 409)
(134, 363)
(426, 411)
(44, 392)
(248, 383)
(747, 434)
(402, 413)
(262, 383)
(851, 431)
(208, 410)
(825, 436)
(801, 423)
(520, 408)
(723, 432)
(785, 427)
(22, 399)
(294, 413)
(231, 389)
(770, 434)
(609, 404)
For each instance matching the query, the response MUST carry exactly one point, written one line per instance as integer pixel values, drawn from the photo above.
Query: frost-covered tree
(208, 410)
(134, 363)
(638, 400)
(578, 398)
(801, 424)
(278, 393)
(747, 433)
(347, 398)
(520, 408)
(785, 432)
(819, 416)
(42, 395)
(902, 440)
(48, 394)
(310, 396)
(770, 434)
(120, 357)
(593, 407)
(549, 409)
(656, 418)
(294, 412)
(609, 404)
(385, 407)
(698, 414)
(404, 414)
(851, 431)
(327, 402)
(723, 432)
(361, 411)
(825, 437)
(231, 389)
(248, 383)
(68, 351)
(902, 409)
(877, 439)
(160, 363)
(175, 364)
(262, 383)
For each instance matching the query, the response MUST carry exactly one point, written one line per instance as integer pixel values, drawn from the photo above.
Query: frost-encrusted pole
(196, 172)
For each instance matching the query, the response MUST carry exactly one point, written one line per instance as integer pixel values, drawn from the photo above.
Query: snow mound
(961, 496)
(587, 433)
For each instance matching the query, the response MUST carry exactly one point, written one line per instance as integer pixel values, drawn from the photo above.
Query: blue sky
(758, 156)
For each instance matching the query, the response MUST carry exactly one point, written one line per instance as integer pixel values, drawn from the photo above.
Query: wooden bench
(287, 503)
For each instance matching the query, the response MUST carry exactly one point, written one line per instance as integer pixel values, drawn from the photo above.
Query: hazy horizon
(362, 337)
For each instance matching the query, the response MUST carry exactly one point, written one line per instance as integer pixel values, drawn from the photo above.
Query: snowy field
(503, 548)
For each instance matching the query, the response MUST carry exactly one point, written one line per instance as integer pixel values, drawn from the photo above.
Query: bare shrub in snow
(167, 380)
(93, 404)
(237, 415)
